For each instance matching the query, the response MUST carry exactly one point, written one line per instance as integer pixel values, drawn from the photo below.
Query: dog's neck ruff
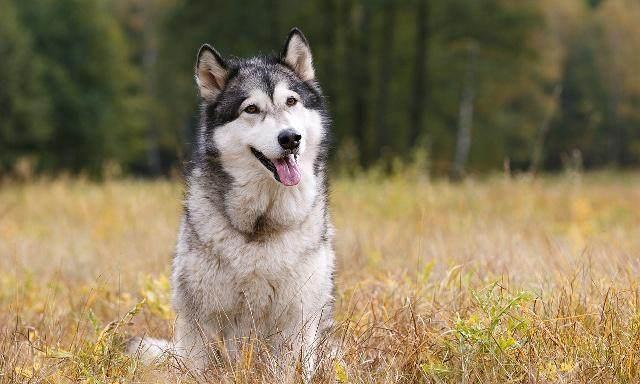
(256, 207)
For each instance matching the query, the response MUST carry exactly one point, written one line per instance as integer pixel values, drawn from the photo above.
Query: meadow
(492, 280)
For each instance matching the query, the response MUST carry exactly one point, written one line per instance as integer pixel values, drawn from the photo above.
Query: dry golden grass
(493, 281)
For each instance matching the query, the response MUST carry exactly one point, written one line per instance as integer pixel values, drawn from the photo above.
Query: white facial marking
(258, 98)
(260, 131)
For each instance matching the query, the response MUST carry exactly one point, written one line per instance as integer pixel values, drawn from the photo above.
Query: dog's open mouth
(285, 169)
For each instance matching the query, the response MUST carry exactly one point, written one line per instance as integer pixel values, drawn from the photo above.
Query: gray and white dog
(254, 257)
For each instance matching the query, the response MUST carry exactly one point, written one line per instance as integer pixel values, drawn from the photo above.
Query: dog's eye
(252, 109)
(291, 101)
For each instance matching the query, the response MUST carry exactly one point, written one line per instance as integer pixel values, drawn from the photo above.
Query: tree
(618, 64)
(142, 21)
(24, 106)
(385, 75)
(358, 46)
(563, 21)
(88, 79)
(526, 81)
(465, 120)
(420, 86)
(492, 60)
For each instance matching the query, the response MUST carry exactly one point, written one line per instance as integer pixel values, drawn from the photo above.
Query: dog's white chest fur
(265, 274)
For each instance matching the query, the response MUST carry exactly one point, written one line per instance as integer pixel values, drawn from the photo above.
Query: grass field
(486, 281)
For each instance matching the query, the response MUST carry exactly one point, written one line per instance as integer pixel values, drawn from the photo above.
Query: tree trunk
(465, 115)
(543, 129)
(616, 133)
(149, 58)
(330, 33)
(613, 125)
(420, 80)
(357, 60)
(384, 77)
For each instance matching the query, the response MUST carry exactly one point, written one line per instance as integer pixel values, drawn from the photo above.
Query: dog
(254, 256)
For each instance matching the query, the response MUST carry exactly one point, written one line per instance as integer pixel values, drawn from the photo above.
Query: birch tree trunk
(543, 129)
(465, 114)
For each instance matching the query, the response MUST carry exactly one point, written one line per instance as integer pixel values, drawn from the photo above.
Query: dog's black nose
(289, 138)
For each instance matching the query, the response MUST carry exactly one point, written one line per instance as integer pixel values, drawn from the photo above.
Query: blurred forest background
(88, 86)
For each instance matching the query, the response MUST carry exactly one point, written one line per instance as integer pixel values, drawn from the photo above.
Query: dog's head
(262, 116)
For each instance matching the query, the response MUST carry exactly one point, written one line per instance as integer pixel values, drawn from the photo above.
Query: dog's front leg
(308, 356)
(305, 345)
(191, 340)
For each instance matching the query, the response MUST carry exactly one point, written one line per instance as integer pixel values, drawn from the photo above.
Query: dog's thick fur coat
(254, 256)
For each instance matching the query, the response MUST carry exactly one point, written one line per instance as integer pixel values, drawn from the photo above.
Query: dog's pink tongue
(287, 169)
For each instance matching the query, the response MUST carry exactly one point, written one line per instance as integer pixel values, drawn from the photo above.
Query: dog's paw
(133, 345)
(147, 349)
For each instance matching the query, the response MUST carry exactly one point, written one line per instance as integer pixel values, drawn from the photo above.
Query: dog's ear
(211, 72)
(297, 55)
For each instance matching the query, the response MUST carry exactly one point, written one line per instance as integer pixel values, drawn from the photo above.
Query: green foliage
(82, 69)
(24, 125)
(496, 327)
(109, 84)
